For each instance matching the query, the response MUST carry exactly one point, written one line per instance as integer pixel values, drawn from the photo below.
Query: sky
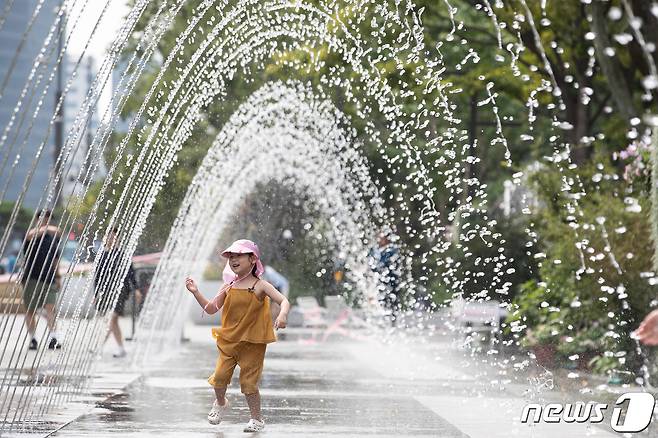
(103, 37)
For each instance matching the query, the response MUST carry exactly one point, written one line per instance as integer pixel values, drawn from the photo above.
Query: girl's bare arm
(210, 307)
(277, 297)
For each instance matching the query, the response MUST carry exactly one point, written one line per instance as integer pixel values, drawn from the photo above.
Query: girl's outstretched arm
(210, 307)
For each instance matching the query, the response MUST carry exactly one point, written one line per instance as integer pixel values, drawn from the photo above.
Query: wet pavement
(307, 389)
(350, 385)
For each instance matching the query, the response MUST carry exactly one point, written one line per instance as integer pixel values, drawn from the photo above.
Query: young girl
(246, 327)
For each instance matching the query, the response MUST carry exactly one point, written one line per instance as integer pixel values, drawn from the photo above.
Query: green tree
(526, 54)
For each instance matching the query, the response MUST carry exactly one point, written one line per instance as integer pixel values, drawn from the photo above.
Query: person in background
(647, 333)
(40, 277)
(109, 263)
(11, 261)
(385, 261)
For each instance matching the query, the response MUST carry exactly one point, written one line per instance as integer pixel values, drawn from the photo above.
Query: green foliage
(604, 364)
(592, 292)
(542, 323)
(553, 302)
(212, 272)
(23, 216)
(470, 257)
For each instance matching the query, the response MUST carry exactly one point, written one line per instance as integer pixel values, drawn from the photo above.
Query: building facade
(27, 103)
(76, 178)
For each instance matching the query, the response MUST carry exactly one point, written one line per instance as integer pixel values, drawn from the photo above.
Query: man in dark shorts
(109, 263)
(39, 276)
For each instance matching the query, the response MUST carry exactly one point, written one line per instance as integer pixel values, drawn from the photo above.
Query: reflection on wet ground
(307, 390)
(338, 388)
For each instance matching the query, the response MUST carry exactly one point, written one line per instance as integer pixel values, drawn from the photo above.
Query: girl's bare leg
(253, 400)
(220, 395)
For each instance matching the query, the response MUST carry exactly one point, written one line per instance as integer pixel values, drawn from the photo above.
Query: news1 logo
(638, 412)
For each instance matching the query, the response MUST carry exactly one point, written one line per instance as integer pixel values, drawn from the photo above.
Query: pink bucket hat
(242, 246)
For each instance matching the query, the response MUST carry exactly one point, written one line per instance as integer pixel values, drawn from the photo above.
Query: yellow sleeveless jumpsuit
(241, 340)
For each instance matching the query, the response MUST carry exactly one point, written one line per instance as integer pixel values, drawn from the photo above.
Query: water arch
(282, 132)
(230, 40)
(220, 56)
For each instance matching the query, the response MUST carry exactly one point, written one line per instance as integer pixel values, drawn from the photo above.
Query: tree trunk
(577, 115)
(643, 10)
(610, 65)
(654, 196)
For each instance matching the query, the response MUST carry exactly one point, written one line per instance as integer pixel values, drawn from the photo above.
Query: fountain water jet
(242, 37)
(225, 41)
(280, 132)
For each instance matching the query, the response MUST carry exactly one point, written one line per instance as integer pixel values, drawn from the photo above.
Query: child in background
(246, 327)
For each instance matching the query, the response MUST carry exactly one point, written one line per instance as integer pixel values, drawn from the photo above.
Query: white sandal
(217, 412)
(254, 426)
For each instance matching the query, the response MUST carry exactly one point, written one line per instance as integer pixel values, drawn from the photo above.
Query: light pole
(59, 111)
